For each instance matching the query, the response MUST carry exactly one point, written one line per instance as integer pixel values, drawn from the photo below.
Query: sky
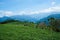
(28, 7)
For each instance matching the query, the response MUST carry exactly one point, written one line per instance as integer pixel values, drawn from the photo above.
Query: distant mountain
(5, 18)
(24, 18)
(44, 15)
(56, 16)
(32, 18)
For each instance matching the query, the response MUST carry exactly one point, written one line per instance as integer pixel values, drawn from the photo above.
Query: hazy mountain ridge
(57, 16)
(4, 18)
(31, 18)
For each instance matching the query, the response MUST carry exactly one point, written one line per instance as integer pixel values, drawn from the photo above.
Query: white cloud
(53, 3)
(21, 12)
(48, 10)
(1, 13)
(56, 9)
(6, 13)
(51, 9)
(29, 12)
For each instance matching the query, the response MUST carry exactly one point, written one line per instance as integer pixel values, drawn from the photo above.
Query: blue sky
(11, 7)
(17, 5)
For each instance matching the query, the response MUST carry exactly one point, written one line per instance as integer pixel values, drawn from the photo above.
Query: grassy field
(15, 31)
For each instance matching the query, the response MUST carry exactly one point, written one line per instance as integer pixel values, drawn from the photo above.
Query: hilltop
(18, 31)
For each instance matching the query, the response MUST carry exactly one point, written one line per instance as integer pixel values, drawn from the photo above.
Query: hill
(32, 18)
(14, 31)
(5, 18)
(56, 16)
(24, 18)
(25, 30)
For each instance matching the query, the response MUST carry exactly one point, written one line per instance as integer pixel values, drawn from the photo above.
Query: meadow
(19, 31)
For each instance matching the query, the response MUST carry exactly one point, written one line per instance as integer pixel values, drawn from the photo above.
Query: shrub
(54, 24)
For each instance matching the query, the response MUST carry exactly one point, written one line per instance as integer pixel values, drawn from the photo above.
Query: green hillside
(20, 31)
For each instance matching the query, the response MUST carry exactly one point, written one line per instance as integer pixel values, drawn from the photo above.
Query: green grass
(13, 31)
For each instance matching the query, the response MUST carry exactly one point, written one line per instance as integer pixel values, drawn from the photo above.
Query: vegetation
(54, 24)
(14, 31)
(41, 25)
(18, 30)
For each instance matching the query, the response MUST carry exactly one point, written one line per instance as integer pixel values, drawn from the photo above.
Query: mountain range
(31, 18)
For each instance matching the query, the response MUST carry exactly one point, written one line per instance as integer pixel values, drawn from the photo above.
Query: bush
(41, 25)
(54, 24)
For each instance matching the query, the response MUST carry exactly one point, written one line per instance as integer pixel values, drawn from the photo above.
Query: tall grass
(16, 31)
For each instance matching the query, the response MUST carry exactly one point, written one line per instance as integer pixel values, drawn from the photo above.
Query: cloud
(1, 13)
(30, 12)
(53, 3)
(27, 12)
(48, 10)
(6, 13)
(56, 9)
(51, 9)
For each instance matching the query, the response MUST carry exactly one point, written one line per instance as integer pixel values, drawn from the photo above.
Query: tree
(54, 24)
(41, 25)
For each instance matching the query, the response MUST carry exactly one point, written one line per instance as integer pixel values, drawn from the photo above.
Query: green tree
(54, 24)
(41, 25)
